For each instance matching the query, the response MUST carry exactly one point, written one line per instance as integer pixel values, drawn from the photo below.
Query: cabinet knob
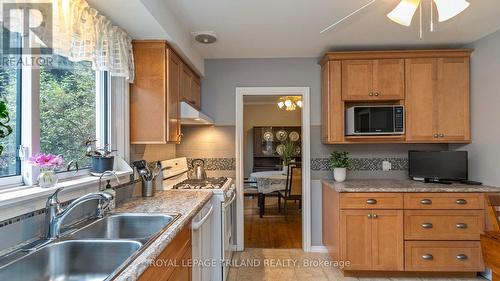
(441, 135)
(428, 257)
(462, 257)
(436, 136)
(461, 201)
(370, 216)
(427, 225)
(426, 201)
(371, 94)
(377, 94)
(375, 216)
(461, 225)
(371, 201)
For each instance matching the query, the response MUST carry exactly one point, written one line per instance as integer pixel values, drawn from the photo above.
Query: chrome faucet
(55, 215)
(113, 173)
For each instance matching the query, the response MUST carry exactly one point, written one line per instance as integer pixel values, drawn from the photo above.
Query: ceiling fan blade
(347, 17)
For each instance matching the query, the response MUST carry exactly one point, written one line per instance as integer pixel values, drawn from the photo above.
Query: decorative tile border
(362, 164)
(216, 164)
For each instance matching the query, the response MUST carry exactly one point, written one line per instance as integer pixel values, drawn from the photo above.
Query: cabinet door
(332, 107)
(357, 80)
(183, 272)
(387, 240)
(421, 80)
(356, 238)
(196, 91)
(389, 79)
(186, 78)
(452, 99)
(173, 97)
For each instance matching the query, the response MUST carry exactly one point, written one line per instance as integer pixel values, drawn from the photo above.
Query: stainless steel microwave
(375, 120)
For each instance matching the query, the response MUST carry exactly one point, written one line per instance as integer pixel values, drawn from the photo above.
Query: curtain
(80, 33)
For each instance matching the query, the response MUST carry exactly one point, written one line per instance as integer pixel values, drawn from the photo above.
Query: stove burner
(209, 183)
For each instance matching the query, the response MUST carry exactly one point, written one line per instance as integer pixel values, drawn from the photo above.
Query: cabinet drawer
(448, 256)
(443, 225)
(371, 200)
(443, 201)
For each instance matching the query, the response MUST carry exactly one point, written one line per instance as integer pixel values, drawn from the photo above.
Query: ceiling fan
(403, 13)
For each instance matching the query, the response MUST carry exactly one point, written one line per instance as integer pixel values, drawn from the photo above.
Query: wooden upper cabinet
(191, 87)
(364, 80)
(452, 101)
(332, 107)
(173, 97)
(437, 100)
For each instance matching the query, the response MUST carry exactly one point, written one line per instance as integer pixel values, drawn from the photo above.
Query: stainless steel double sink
(96, 251)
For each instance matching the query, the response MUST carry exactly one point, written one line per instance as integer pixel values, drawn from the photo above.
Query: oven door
(228, 216)
(374, 120)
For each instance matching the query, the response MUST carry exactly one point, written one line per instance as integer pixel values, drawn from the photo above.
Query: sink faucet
(113, 173)
(55, 215)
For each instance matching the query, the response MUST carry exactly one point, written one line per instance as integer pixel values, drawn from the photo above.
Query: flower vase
(47, 178)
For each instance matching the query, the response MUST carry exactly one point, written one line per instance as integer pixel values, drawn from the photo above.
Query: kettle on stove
(198, 171)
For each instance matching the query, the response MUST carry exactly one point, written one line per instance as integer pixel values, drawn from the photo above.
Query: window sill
(27, 199)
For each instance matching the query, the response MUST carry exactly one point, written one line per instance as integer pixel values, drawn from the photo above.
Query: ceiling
(290, 28)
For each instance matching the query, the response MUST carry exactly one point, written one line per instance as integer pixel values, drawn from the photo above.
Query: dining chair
(293, 189)
(493, 202)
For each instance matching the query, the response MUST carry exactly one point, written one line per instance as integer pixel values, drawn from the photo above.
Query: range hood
(191, 116)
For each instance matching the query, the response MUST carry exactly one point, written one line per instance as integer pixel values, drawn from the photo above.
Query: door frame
(241, 92)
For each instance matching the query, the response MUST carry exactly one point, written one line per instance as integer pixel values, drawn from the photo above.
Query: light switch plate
(386, 166)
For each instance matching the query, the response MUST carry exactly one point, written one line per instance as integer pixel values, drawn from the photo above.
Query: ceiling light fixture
(447, 9)
(290, 103)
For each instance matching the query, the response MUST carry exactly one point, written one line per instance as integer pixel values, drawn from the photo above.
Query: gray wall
(222, 76)
(484, 152)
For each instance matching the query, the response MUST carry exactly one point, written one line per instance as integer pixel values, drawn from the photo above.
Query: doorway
(273, 168)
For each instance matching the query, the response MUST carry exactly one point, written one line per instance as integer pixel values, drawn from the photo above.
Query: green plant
(5, 129)
(339, 159)
(287, 152)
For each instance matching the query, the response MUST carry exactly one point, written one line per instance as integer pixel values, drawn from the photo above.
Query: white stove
(223, 224)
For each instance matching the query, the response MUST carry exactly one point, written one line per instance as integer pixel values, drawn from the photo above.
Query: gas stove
(209, 183)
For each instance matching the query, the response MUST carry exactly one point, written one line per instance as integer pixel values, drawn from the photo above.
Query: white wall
(484, 152)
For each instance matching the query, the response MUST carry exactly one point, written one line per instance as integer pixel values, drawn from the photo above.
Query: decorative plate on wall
(281, 135)
(297, 150)
(294, 136)
(268, 136)
(280, 148)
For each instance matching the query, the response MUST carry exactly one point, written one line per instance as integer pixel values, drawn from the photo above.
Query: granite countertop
(377, 185)
(186, 203)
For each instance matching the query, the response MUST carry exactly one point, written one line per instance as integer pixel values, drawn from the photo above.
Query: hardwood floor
(274, 230)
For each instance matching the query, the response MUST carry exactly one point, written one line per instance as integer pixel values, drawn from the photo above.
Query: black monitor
(438, 165)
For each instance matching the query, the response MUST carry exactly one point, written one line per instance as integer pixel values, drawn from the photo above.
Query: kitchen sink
(133, 226)
(71, 260)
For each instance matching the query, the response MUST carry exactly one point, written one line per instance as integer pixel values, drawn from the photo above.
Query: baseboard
(318, 249)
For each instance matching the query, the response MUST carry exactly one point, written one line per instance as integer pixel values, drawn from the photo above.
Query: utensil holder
(149, 186)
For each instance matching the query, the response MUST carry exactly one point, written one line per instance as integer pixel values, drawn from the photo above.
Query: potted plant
(102, 160)
(5, 129)
(339, 162)
(286, 152)
(48, 164)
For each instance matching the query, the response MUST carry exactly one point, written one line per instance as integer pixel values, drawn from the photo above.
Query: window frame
(28, 124)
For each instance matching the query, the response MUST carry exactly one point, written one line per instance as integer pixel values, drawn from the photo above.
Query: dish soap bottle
(111, 192)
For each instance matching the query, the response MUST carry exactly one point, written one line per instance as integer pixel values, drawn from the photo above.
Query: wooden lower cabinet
(174, 263)
(401, 235)
(372, 239)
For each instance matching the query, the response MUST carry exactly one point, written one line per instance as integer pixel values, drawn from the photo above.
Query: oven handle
(228, 203)
(197, 225)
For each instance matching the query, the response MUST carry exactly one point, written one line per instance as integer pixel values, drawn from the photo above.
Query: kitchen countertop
(378, 185)
(186, 203)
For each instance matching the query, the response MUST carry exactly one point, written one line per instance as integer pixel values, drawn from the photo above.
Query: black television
(438, 165)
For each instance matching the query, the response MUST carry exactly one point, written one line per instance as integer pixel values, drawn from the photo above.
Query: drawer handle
(461, 201)
(461, 225)
(427, 225)
(462, 257)
(428, 257)
(371, 201)
(426, 201)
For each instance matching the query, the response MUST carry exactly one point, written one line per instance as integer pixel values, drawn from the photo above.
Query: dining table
(267, 182)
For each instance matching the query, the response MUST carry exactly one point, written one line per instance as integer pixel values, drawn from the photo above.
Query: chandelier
(290, 103)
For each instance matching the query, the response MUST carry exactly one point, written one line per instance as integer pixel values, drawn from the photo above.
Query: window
(10, 91)
(67, 109)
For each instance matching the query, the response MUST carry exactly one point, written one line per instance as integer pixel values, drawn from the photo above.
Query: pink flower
(46, 161)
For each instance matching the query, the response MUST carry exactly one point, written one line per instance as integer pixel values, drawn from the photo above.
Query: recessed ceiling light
(205, 37)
